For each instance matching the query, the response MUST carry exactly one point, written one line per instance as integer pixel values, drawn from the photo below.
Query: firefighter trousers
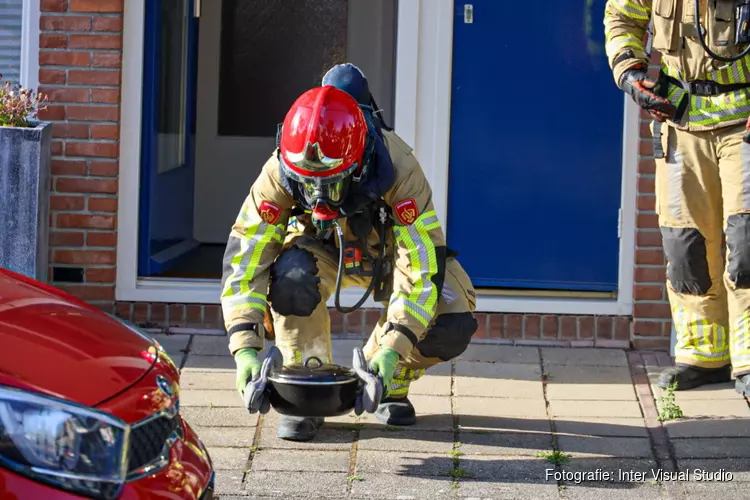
(301, 336)
(703, 204)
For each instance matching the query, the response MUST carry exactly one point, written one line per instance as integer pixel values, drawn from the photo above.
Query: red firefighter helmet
(323, 143)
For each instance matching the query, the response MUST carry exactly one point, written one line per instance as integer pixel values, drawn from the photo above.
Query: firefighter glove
(248, 367)
(640, 87)
(383, 364)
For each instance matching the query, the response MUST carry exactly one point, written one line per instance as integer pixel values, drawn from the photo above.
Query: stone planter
(25, 163)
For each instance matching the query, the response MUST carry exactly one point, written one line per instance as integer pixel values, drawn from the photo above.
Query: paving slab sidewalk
(499, 422)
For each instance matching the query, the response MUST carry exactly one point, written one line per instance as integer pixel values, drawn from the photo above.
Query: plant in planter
(25, 159)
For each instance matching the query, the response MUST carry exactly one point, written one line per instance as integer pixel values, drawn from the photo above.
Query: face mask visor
(330, 193)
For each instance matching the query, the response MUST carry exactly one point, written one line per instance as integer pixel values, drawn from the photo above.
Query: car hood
(55, 344)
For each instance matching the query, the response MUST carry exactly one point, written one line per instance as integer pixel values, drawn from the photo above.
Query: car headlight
(65, 445)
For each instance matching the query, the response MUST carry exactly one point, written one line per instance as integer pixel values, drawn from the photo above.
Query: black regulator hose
(701, 36)
(340, 272)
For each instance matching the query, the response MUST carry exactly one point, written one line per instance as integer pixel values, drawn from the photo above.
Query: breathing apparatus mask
(330, 197)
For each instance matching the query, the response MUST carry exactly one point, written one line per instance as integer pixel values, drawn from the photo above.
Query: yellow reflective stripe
(711, 114)
(402, 379)
(741, 338)
(247, 246)
(271, 233)
(729, 73)
(416, 311)
(705, 335)
(291, 355)
(705, 111)
(675, 95)
(695, 102)
(398, 391)
(410, 374)
(632, 10)
(615, 45)
(699, 339)
(237, 293)
(251, 300)
(732, 76)
(422, 259)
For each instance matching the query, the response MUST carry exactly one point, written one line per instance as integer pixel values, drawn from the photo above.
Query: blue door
(536, 146)
(168, 160)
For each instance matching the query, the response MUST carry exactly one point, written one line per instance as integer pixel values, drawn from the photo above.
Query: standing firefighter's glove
(640, 87)
(248, 367)
(383, 364)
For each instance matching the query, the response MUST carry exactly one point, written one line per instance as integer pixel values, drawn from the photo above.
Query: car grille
(147, 440)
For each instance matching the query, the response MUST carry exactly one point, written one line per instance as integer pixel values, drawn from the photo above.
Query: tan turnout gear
(702, 171)
(264, 230)
(702, 186)
(682, 56)
(299, 337)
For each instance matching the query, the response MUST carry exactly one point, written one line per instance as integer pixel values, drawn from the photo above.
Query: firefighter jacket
(708, 93)
(416, 248)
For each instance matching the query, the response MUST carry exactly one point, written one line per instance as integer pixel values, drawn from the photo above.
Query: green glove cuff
(248, 365)
(246, 354)
(388, 354)
(384, 364)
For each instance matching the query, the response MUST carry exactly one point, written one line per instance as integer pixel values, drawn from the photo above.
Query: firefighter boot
(396, 411)
(298, 428)
(395, 408)
(690, 377)
(742, 384)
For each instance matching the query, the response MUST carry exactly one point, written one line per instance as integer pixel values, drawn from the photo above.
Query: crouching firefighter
(700, 103)
(343, 202)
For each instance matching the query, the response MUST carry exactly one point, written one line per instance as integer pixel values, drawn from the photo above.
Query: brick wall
(80, 63)
(651, 315)
(80, 59)
(513, 329)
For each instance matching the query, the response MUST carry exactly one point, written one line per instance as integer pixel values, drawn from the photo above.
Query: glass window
(271, 52)
(173, 81)
(11, 28)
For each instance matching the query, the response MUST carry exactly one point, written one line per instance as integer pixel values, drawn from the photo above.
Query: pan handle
(372, 390)
(313, 358)
(257, 393)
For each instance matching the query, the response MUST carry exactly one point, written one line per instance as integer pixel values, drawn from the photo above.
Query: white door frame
(30, 45)
(422, 118)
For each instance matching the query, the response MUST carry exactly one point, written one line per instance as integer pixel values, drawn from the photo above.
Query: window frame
(30, 44)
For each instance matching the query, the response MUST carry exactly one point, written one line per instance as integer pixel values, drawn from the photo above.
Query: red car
(89, 405)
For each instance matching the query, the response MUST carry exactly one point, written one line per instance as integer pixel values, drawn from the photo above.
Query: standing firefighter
(700, 103)
(338, 167)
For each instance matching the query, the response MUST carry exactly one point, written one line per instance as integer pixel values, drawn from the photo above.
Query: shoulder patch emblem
(269, 212)
(406, 211)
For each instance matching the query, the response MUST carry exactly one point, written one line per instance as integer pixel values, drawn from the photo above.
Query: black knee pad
(294, 283)
(687, 264)
(449, 336)
(738, 249)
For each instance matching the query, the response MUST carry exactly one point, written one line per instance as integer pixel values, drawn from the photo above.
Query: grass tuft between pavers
(669, 409)
(457, 472)
(555, 456)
